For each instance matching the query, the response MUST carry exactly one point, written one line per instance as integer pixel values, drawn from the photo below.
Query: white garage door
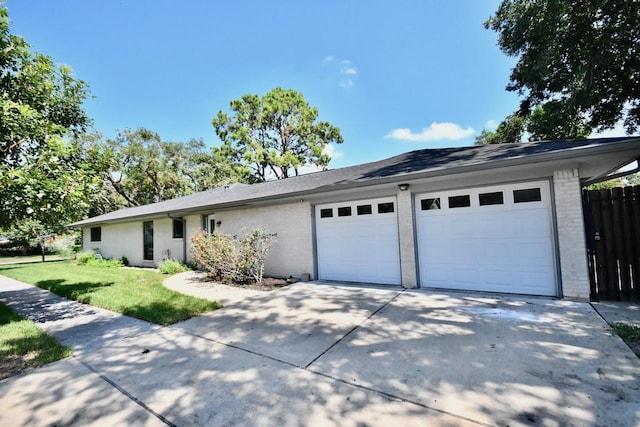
(358, 241)
(496, 239)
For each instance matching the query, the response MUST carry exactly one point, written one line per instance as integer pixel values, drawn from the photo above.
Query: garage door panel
(506, 247)
(465, 276)
(498, 277)
(358, 248)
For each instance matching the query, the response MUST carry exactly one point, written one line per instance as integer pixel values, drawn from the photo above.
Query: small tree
(275, 134)
(227, 258)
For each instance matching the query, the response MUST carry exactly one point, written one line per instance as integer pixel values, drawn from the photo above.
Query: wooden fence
(612, 225)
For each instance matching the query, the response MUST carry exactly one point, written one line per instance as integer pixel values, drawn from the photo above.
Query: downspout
(184, 236)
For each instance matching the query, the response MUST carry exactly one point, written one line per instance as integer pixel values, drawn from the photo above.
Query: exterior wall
(125, 239)
(571, 239)
(292, 254)
(164, 245)
(118, 240)
(406, 235)
(193, 225)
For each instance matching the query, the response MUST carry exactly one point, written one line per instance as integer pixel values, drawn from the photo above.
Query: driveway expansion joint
(398, 398)
(126, 393)
(354, 329)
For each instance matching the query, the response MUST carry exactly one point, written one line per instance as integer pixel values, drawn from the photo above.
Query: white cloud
(491, 125)
(346, 83)
(435, 132)
(342, 70)
(331, 151)
(348, 69)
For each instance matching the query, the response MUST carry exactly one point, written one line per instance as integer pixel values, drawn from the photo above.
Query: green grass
(627, 332)
(23, 345)
(29, 258)
(134, 292)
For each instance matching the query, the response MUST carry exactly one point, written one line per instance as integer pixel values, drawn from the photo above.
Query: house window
(385, 207)
(178, 229)
(364, 210)
(326, 213)
(429, 204)
(96, 234)
(527, 195)
(459, 201)
(344, 211)
(487, 199)
(147, 238)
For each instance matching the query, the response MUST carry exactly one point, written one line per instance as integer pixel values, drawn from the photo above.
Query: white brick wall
(406, 236)
(125, 239)
(571, 239)
(292, 254)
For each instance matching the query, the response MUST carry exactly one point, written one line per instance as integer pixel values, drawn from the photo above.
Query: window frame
(179, 235)
(384, 206)
(326, 213)
(344, 211)
(147, 246)
(488, 201)
(364, 209)
(425, 204)
(95, 234)
(466, 197)
(527, 192)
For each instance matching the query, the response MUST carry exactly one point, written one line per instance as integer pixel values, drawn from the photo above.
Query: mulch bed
(267, 283)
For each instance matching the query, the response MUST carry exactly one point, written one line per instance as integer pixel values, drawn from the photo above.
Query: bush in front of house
(171, 266)
(92, 259)
(83, 258)
(65, 245)
(231, 259)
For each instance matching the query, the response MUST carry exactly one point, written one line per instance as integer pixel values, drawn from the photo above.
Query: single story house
(499, 218)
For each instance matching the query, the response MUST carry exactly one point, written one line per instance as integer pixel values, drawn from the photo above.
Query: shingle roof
(404, 166)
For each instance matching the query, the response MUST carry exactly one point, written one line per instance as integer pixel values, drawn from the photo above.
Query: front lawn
(23, 345)
(134, 292)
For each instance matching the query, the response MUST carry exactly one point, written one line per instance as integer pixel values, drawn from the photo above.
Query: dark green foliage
(578, 62)
(627, 331)
(138, 168)
(275, 135)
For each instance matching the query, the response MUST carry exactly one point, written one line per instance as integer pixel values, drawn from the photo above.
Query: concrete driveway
(323, 354)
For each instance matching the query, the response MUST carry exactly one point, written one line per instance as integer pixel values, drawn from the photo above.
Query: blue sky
(394, 76)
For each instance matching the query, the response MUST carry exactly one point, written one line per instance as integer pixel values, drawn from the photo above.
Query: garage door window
(527, 195)
(487, 199)
(344, 211)
(326, 213)
(430, 204)
(385, 207)
(364, 210)
(459, 201)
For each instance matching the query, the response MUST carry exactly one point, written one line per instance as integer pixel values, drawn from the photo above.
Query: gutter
(559, 154)
(614, 176)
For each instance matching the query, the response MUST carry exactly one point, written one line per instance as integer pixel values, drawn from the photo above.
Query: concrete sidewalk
(327, 354)
(616, 311)
(81, 327)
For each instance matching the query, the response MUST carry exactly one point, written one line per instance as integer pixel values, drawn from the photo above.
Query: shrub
(227, 258)
(83, 258)
(171, 266)
(93, 259)
(64, 245)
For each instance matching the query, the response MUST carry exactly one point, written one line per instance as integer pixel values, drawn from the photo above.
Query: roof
(411, 165)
